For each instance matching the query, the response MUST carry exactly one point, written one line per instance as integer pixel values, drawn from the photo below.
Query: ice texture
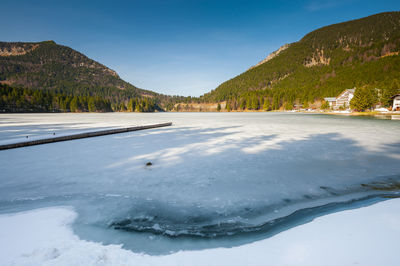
(216, 179)
(366, 236)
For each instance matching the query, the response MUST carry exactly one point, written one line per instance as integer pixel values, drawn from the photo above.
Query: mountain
(357, 53)
(47, 65)
(46, 76)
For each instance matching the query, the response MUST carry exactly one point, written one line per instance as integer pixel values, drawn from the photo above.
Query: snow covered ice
(216, 180)
(366, 236)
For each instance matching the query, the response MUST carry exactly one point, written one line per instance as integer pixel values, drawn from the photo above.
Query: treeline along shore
(23, 100)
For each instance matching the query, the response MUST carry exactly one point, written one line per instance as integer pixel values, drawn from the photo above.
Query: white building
(396, 102)
(331, 101)
(342, 101)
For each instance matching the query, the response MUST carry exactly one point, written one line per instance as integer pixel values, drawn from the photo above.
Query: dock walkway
(80, 136)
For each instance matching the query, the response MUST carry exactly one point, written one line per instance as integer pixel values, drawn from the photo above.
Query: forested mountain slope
(357, 53)
(45, 76)
(47, 65)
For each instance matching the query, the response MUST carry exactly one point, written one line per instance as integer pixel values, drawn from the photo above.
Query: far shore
(368, 113)
(395, 114)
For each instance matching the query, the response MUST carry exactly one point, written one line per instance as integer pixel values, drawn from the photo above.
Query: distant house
(342, 101)
(396, 102)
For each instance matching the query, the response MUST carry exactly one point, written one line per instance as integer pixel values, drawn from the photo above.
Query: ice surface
(367, 236)
(215, 180)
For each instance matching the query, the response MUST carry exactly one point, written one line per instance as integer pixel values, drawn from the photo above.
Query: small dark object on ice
(54, 133)
(26, 136)
(149, 164)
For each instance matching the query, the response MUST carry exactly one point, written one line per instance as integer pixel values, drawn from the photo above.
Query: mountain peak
(272, 55)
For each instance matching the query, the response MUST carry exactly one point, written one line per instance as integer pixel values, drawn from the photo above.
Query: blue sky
(183, 47)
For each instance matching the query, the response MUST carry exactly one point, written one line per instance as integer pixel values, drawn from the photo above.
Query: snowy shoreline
(364, 236)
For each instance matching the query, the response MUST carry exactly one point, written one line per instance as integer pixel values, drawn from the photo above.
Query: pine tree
(289, 106)
(364, 98)
(325, 105)
(254, 103)
(242, 104)
(266, 105)
(73, 106)
(275, 102)
(91, 105)
(122, 107)
(131, 105)
(388, 93)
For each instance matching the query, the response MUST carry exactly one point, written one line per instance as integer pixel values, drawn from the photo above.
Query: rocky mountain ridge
(271, 55)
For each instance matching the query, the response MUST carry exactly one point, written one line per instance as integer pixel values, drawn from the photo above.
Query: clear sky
(185, 47)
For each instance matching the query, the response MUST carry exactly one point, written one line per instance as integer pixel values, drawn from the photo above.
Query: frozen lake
(217, 179)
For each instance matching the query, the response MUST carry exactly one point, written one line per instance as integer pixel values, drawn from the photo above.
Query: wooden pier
(80, 136)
